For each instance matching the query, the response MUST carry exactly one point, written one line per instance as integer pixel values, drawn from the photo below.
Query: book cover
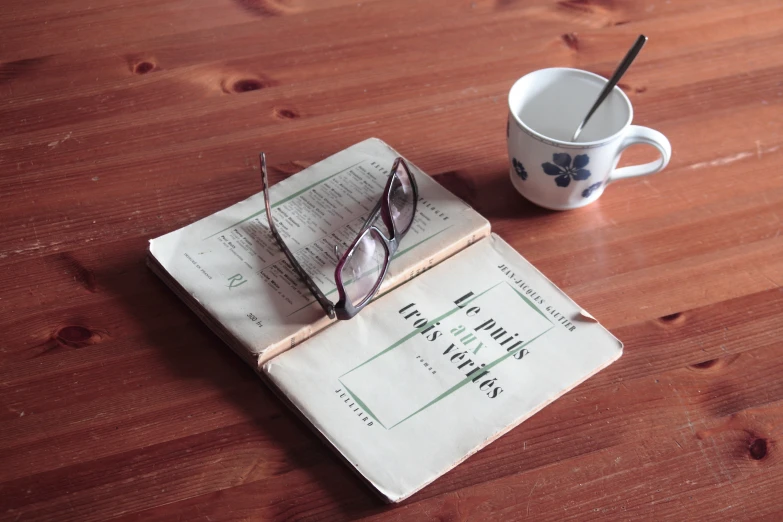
(430, 373)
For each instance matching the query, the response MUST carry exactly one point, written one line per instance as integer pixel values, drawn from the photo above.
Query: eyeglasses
(361, 269)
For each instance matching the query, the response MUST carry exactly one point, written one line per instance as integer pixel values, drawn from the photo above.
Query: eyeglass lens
(364, 267)
(401, 204)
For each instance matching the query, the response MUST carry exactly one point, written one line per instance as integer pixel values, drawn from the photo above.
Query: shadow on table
(491, 194)
(192, 352)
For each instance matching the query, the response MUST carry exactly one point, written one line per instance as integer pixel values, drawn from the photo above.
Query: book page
(430, 373)
(230, 265)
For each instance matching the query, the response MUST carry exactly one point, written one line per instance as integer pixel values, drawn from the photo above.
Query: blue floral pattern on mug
(592, 188)
(565, 170)
(520, 170)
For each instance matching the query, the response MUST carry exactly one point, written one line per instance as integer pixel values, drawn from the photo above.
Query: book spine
(425, 264)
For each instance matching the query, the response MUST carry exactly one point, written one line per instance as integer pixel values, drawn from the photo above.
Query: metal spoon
(618, 73)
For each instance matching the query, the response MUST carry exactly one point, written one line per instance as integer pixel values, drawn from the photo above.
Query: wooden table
(125, 119)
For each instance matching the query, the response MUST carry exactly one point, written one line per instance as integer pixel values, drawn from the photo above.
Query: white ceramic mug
(547, 168)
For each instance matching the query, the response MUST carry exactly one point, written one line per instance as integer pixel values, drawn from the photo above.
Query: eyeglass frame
(345, 309)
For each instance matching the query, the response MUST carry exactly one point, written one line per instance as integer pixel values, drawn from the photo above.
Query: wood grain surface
(121, 120)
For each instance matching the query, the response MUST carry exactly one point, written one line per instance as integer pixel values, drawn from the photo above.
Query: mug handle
(643, 135)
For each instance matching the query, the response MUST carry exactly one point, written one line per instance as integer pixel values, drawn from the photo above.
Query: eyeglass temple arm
(325, 303)
(375, 212)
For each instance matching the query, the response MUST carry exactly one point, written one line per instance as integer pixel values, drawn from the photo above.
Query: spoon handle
(618, 73)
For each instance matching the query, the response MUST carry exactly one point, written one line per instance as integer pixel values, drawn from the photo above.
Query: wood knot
(715, 364)
(631, 89)
(706, 365)
(286, 114)
(676, 317)
(758, 449)
(240, 85)
(143, 67)
(571, 40)
(78, 336)
(247, 85)
(267, 7)
(141, 63)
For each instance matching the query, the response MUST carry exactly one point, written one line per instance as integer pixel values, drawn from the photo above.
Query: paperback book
(465, 341)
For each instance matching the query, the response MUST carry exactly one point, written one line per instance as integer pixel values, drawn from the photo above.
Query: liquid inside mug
(547, 168)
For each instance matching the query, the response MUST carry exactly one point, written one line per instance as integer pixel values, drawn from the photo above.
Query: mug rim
(569, 144)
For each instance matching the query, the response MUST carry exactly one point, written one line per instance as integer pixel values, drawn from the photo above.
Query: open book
(438, 366)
